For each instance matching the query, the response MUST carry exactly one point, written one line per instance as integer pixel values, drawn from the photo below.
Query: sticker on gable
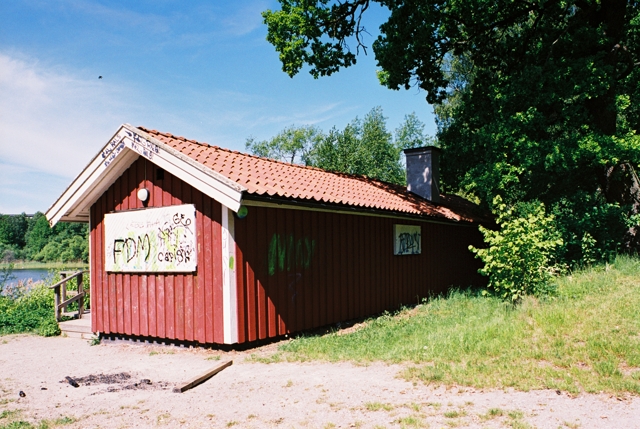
(407, 240)
(159, 239)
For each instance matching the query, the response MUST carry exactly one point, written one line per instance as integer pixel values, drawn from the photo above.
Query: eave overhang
(126, 146)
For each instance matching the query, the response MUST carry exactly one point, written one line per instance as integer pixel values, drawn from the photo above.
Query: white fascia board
(86, 179)
(229, 287)
(118, 154)
(90, 193)
(212, 183)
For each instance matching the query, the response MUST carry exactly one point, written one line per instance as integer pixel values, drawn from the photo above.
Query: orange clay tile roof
(268, 177)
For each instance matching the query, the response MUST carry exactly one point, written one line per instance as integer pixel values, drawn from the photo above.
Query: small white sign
(159, 239)
(408, 240)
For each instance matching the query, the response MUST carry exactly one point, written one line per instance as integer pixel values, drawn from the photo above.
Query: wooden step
(77, 328)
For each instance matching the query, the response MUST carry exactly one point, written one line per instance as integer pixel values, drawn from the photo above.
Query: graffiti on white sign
(408, 240)
(152, 240)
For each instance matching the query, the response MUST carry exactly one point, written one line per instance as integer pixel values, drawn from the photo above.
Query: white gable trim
(118, 154)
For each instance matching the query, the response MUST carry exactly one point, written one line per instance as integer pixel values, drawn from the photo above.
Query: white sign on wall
(408, 240)
(160, 239)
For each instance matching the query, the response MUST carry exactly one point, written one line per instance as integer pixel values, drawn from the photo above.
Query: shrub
(518, 255)
(28, 311)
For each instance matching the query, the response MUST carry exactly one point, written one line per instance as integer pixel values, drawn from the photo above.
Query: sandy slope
(283, 395)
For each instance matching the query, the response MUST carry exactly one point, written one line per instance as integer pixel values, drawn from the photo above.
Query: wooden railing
(61, 299)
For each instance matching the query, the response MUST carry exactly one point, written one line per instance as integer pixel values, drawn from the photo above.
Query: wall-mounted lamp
(143, 194)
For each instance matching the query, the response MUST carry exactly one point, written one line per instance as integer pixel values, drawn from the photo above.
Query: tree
(38, 234)
(13, 229)
(365, 146)
(534, 100)
(598, 40)
(293, 144)
(410, 134)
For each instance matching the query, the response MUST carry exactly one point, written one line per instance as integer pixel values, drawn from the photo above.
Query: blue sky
(200, 69)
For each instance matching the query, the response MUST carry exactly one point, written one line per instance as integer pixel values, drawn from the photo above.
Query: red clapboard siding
(295, 269)
(351, 272)
(172, 306)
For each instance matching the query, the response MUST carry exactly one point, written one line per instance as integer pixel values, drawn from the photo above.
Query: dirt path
(136, 392)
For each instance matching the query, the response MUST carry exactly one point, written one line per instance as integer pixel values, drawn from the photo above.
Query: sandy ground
(248, 394)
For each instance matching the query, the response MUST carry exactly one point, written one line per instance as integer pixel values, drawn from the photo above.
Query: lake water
(24, 275)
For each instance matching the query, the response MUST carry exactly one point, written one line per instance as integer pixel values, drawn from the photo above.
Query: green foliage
(31, 238)
(38, 234)
(13, 229)
(535, 101)
(518, 254)
(296, 31)
(365, 146)
(74, 248)
(410, 134)
(30, 309)
(292, 144)
(538, 44)
(591, 228)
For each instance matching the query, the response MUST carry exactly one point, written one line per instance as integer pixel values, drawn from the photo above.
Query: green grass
(42, 424)
(586, 338)
(377, 406)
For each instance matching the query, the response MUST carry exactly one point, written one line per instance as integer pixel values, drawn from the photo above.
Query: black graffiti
(111, 155)
(115, 142)
(142, 146)
(409, 243)
(130, 248)
(181, 219)
(180, 255)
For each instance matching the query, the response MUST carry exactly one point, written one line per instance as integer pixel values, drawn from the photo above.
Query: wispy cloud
(115, 17)
(51, 120)
(245, 19)
(309, 116)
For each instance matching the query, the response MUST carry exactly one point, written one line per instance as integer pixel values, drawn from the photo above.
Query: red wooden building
(192, 242)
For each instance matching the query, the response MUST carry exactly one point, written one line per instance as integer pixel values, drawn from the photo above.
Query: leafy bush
(519, 253)
(69, 249)
(28, 309)
(591, 228)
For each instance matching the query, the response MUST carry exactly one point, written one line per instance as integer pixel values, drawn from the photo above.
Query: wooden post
(63, 290)
(56, 293)
(81, 298)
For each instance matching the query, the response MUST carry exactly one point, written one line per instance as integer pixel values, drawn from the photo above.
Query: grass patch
(410, 422)
(586, 338)
(377, 406)
(9, 414)
(42, 424)
(454, 414)
(492, 413)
